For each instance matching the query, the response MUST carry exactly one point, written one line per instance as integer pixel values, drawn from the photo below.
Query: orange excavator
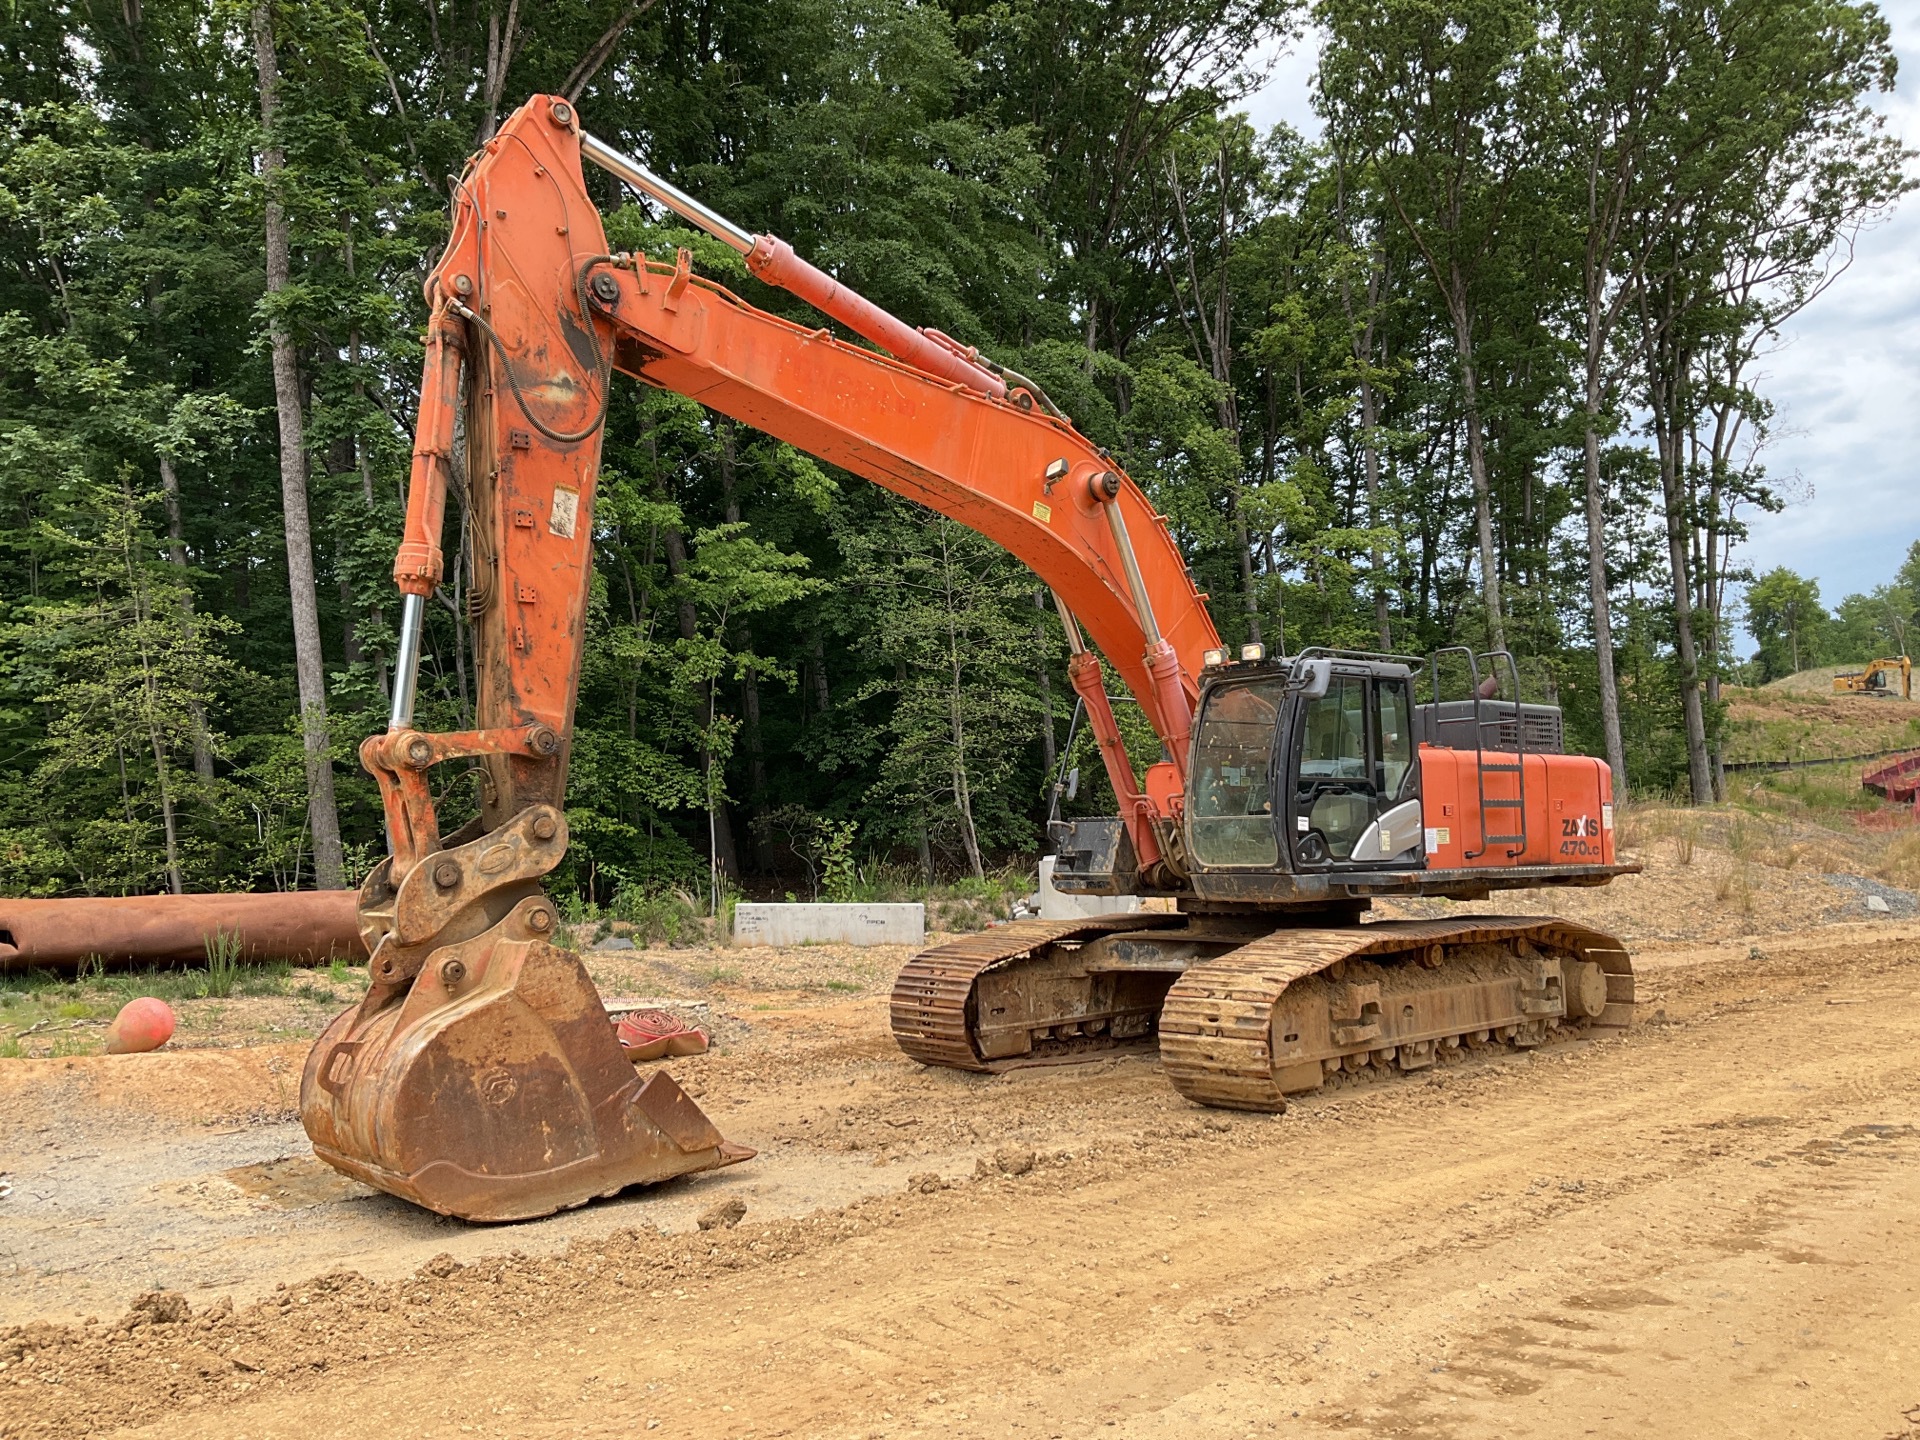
(480, 1077)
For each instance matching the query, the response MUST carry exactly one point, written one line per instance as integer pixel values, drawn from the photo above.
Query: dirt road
(1705, 1228)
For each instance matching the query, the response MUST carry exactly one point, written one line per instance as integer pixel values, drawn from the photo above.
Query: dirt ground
(1705, 1226)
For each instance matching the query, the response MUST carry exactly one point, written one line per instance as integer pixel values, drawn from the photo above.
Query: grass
(1776, 725)
(1816, 819)
(117, 987)
(224, 951)
(44, 1014)
(1735, 888)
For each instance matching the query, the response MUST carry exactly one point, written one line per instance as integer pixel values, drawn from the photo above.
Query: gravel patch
(1899, 904)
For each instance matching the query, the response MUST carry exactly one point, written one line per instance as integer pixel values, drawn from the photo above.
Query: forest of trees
(1794, 631)
(1475, 364)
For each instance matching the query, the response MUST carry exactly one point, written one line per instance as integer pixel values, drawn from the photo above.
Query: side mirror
(1312, 677)
(1073, 782)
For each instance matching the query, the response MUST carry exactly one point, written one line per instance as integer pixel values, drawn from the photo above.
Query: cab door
(1230, 814)
(1354, 782)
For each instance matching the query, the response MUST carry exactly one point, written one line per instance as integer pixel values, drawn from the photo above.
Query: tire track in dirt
(1377, 1261)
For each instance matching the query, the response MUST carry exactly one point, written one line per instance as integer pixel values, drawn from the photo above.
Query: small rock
(440, 1266)
(926, 1183)
(1009, 1160)
(614, 942)
(1218, 1122)
(724, 1216)
(1878, 905)
(161, 1307)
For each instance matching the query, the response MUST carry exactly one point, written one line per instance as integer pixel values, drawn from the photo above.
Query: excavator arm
(479, 1076)
(530, 308)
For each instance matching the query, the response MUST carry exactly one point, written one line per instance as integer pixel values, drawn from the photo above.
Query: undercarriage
(1246, 1012)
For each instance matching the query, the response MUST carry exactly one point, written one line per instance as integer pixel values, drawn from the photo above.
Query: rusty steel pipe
(303, 926)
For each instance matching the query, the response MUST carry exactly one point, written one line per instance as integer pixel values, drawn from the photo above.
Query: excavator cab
(1304, 768)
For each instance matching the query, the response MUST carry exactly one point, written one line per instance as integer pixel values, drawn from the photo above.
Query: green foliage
(1785, 615)
(666, 915)
(786, 670)
(838, 877)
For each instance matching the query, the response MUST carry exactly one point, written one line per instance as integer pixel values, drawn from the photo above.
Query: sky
(1845, 380)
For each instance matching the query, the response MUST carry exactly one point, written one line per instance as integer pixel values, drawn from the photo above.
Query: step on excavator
(480, 1077)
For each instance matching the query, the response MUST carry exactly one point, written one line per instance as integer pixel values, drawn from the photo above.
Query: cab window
(1336, 801)
(1230, 819)
(1334, 743)
(1396, 738)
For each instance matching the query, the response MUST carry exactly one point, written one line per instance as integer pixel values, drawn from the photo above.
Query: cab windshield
(1230, 819)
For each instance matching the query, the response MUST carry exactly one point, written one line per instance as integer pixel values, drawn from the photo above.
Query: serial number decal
(566, 513)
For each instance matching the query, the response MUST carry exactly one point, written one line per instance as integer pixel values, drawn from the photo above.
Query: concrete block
(1054, 905)
(756, 924)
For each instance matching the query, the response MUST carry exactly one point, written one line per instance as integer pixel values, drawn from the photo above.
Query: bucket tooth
(493, 1088)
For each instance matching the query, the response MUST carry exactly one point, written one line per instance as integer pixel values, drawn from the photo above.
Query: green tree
(951, 612)
(1785, 616)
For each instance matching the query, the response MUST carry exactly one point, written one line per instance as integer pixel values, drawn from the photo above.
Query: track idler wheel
(482, 1079)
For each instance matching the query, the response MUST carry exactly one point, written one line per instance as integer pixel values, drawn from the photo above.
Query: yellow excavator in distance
(1877, 679)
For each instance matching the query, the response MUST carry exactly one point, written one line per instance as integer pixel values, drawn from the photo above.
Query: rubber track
(929, 1005)
(1215, 1025)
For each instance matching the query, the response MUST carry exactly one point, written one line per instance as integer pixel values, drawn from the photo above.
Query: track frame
(1246, 1014)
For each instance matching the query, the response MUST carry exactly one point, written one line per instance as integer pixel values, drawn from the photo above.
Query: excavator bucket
(481, 1077)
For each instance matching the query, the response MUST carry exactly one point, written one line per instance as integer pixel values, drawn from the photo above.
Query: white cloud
(1287, 95)
(1846, 391)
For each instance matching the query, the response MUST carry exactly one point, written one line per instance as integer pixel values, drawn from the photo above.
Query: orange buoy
(143, 1024)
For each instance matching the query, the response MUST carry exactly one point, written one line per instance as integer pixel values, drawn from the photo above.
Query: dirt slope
(1701, 1228)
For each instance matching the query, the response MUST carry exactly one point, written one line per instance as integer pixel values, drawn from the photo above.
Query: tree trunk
(1700, 780)
(749, 678)
(962, 791)
(329, 865)
(1362, 346)
(177, 556)
(756, 749)
(956, 699)
(1370, 466)
(168, 821)
(822, 697)
(377, 613)
(365, 462)
(1249, 600)
(725, 855)
(1597, 587)
(501, 44)
(1049, 750)
(150, 685)
(1477, 468)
